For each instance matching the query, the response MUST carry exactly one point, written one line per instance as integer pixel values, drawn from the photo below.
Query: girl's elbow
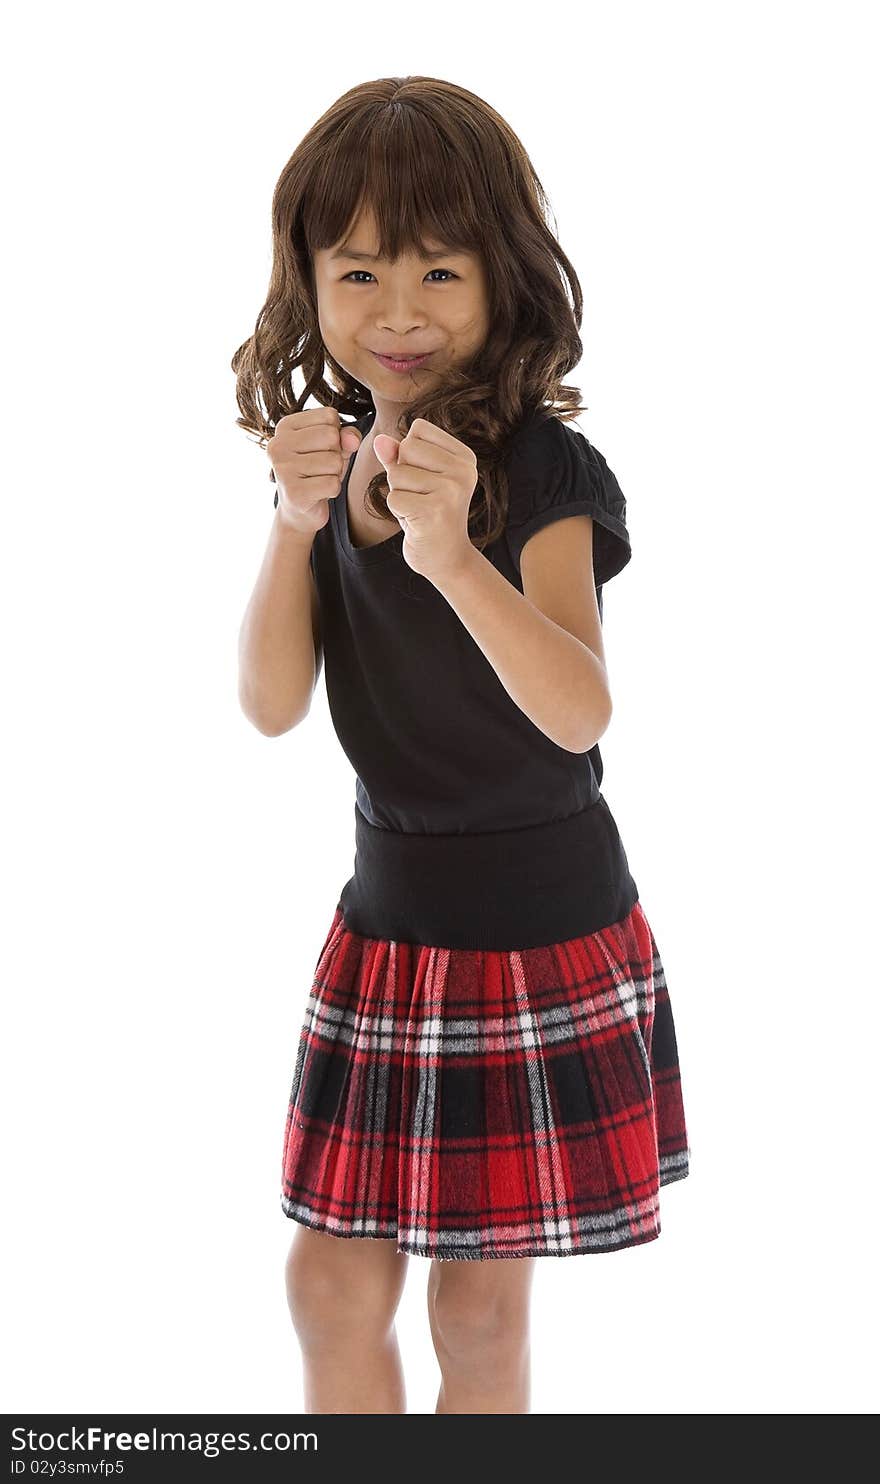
(593, 727)
(271, 722)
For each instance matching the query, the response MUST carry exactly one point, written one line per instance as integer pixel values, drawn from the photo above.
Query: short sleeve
(554, 472)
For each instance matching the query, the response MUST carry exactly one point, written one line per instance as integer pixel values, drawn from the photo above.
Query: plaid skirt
(479, 1104)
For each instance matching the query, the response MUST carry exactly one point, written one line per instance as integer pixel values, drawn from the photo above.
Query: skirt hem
(439, 1253)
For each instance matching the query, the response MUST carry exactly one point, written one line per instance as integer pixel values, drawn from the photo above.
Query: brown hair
(431, 159)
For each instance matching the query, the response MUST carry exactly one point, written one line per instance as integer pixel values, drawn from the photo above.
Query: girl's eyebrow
(368, 257)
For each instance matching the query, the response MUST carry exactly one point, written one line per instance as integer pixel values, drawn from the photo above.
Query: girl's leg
(343, 1293)
(479, 1316)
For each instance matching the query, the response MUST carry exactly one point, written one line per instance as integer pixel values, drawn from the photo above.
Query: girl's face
(369, 307)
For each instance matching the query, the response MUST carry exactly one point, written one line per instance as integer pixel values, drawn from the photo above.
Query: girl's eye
(365, 271)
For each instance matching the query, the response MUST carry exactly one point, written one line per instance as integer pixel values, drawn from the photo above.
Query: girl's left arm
(544, 644)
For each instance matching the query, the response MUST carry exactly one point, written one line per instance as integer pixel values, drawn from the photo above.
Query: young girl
(487, 1067)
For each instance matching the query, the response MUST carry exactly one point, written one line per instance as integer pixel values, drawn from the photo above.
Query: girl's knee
(330, 1294)
(473, 1319)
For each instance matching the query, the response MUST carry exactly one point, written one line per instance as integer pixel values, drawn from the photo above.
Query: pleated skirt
(473, 1104)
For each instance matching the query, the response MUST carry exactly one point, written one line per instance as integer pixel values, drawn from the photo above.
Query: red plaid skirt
(479, 1104)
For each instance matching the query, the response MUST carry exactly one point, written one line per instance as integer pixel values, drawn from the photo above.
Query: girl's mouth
(400, 363)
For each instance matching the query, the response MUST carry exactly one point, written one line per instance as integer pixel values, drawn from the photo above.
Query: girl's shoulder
(553, 471)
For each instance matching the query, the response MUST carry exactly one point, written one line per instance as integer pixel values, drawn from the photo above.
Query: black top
(473, 828)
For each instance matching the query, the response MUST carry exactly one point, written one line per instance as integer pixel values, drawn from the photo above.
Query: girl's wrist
(291, 535)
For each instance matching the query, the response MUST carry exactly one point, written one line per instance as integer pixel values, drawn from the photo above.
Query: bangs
(421, 191)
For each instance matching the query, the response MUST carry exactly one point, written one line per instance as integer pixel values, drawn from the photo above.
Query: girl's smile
(401, 363)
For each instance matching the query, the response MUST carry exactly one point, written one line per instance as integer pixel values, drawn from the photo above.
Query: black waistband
(505, 889)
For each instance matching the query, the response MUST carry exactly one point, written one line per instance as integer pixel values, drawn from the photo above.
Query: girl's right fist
(309, 453)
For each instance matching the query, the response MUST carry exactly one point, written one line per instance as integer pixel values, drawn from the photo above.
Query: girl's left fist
(431, 478)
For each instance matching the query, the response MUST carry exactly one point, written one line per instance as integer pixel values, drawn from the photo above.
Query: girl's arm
(279, 646)
(544, 643)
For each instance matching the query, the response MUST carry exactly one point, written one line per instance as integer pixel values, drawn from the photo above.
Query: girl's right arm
(279, 644)
(280, 637)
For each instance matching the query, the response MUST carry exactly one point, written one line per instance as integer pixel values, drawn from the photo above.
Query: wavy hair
(430, 159)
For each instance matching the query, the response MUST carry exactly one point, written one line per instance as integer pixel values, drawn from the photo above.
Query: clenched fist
(309, 453)
(431, 478)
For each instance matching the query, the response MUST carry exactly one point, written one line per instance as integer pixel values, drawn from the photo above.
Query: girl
(487, 1067)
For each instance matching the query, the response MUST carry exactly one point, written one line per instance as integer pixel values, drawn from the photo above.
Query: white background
(170, 873)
